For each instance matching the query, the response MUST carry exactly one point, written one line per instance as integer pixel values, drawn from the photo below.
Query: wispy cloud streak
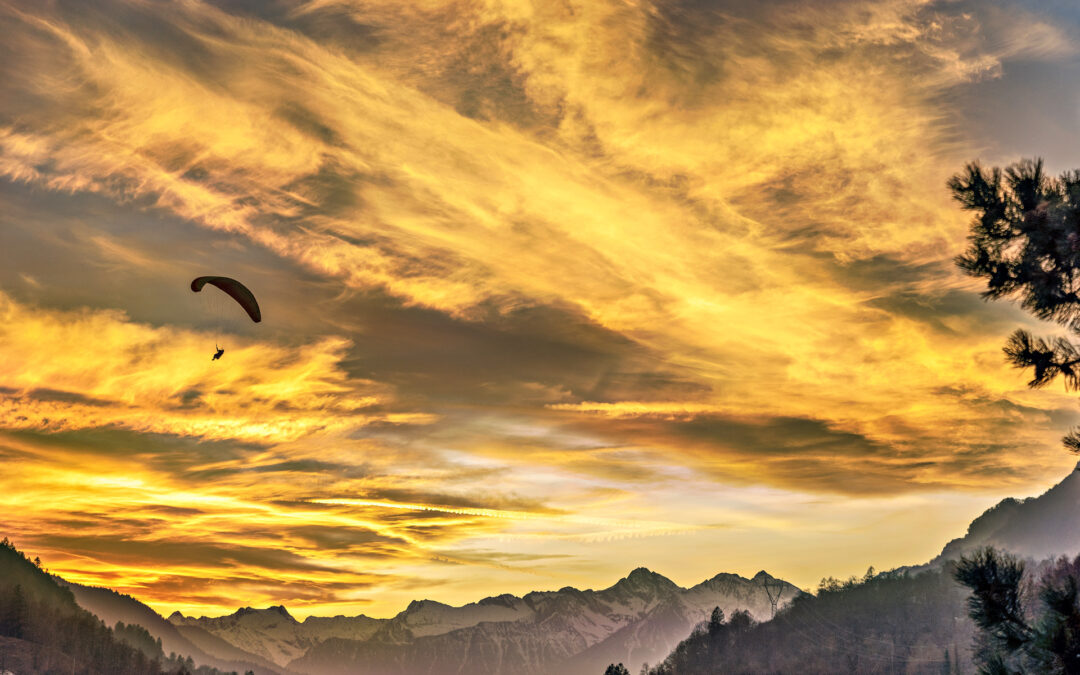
(538, 276)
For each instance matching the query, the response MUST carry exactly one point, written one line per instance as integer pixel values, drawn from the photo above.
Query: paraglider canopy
(235, 290)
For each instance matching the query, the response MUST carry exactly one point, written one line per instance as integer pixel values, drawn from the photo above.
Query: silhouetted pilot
(217, 354)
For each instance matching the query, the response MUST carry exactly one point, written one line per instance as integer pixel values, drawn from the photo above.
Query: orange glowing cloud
(76, 370)
(545, 274)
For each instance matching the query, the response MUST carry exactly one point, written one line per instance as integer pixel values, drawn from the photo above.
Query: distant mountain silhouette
(272, 634)
(639, 618)
(1037, 527)
(571, 632)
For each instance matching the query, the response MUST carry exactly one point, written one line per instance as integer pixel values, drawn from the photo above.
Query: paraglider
(235, 290)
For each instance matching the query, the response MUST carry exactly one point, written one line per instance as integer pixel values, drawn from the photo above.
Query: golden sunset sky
(550, 290)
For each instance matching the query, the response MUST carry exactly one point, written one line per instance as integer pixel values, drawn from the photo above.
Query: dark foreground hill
(42, 630)
(1036, 527)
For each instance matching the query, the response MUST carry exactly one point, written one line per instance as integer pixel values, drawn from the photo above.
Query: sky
(550, 291)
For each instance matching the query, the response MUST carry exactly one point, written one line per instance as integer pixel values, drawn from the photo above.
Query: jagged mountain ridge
(273, 634)
(1036, 527)
(220, 649)
(640, 618)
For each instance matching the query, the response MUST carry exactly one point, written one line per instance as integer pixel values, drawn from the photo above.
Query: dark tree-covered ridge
(43, 630)
(49, 633)
(892, 622)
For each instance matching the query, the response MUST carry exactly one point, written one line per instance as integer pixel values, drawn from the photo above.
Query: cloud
(573, 262)
(87, 369)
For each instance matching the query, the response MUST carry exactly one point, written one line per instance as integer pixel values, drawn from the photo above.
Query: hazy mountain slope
(1037, 527)
(46, 631)
(650, 638)
(274, 635)
(567, 631)
(270, 633)
(645, 640)
(110, 607)
(220, 649)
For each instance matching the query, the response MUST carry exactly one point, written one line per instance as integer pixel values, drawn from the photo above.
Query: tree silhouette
(995, 604)
(1017, 639)
(614, 669)
(13, 612)
(1025, 242)
(716, 621)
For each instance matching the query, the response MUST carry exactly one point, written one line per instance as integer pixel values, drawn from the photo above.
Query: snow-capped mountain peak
(575, 632)
(270, 614)
(642, 580)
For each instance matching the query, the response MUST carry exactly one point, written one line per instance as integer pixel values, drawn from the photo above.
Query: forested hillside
(43, 630)
(48, 633)
(884, 623)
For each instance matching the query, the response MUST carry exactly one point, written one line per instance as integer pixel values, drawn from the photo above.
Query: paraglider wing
(235, 290)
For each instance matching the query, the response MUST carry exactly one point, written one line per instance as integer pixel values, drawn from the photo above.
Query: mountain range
(577, 632)
(638, 619)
